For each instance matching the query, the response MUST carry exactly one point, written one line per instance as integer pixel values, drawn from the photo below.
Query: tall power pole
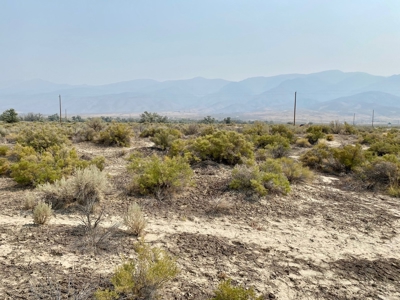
(59, 100)
(373, 112)
(354, 119)
(294, 112)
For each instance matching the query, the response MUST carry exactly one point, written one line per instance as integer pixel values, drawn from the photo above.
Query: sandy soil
(322, 241)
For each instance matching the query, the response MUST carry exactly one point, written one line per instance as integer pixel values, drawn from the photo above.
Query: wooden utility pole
(59, 100)
(294, 112)
(373, 112)
(65, 115)
(354, 119)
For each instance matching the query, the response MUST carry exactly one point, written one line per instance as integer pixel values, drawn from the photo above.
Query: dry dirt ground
(322, 241)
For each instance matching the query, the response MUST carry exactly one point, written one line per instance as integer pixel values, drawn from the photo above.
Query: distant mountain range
(333, 92)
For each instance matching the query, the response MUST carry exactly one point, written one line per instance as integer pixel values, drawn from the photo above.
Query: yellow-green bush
(283, 130)
(302, 142)
(42, 137)
(116, 134)
(4, 166)
(3, 150)
(226, 147)
(159, 176)
(226, 291)
(165, 137)
(314, 133)
(334, 160)
(259, 180)
(294, 171)
(143, 277)
(277, 145)
(34, 168)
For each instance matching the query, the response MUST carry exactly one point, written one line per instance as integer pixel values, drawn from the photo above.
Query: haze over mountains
(334, 92)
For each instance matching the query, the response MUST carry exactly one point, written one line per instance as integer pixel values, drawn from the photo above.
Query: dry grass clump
(303, 142)
(89, 183)
(220, 206)
(42, 213)
(30, 201)
(134, 220)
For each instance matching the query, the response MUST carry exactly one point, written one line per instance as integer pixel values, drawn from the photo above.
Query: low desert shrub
(226, 147)
(4, 166)
(86, 184)
(348, 157)
(3, 150)
(191, 129)
(283, 130)
(226, 291)
(97, 124)
(258, 128)
(314, 133)
(159, 176)
(277, 146)
(134, 220)
(30, 201)
(294, 171)
(165, 137)
(143, 277)
(34, 168)
(258, 180)
(116, 134)
(42, 137)
(42, 213)
(302, 142)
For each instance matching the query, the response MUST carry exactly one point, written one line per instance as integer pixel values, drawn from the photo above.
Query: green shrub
(334, 160)
(294, 171)
(259, 179)
(208, 130)
(85, 185)
(277, 146)
(134, 220)
(159, 176)
(143, 277)
(380, 170)
(165, 137)
(384, 147)
(96, 124)
(283, 130)
(4, 166)
(42, 137)
(191, 129)
(348, 157)
(258, 128)
(314, 133)
(116, 134)
(3, 150)
(42, 213)
(226, 291)
(226, 147)
(33, 168)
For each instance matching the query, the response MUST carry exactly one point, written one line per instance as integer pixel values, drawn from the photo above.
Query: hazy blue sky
(98, 41)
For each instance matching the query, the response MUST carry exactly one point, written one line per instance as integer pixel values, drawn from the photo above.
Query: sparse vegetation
(143, 277)
(134, 220)
(160, 177)
(116, 134)
(226, 291)
(42, 213)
